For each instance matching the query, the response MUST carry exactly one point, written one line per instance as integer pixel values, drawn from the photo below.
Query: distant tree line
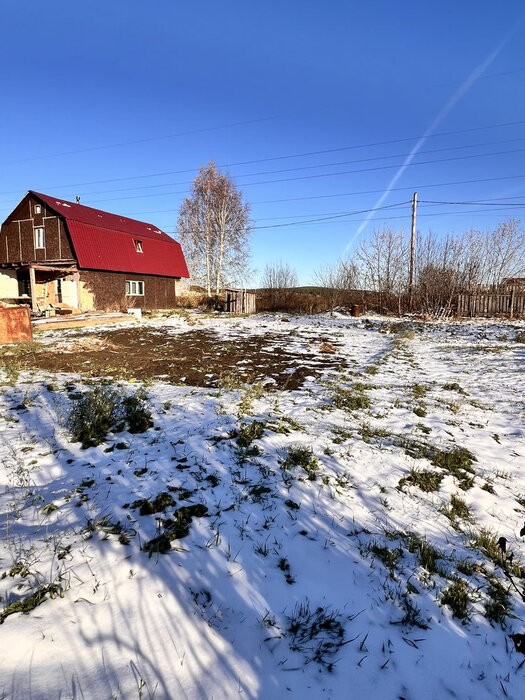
(214, 228)
(376, 275)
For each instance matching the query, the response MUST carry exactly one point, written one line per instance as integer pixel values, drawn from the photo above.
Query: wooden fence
(491, 305)
(239, 301)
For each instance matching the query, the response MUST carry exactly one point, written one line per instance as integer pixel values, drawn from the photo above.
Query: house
(56, 253)
(513, 284)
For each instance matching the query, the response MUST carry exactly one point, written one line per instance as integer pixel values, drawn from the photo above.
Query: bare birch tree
(214, 229)
(336, 279)
(278, 279)
(382, 260)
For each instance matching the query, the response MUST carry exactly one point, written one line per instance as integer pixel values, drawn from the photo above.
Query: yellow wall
(8, 284)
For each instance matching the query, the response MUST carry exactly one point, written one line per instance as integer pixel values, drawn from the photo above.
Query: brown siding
(17, 237)
(109, 290)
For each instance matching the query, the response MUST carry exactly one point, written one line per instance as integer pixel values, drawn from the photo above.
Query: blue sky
(311, 107)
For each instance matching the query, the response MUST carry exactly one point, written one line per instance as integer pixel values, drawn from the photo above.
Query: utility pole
(412, 253)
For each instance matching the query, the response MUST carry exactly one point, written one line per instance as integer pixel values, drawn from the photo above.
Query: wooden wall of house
(17, 239)
(106, 291)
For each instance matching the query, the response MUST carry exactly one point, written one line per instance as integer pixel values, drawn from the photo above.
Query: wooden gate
(239, 301)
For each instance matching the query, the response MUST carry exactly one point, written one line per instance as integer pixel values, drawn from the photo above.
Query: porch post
(76, 277)
(32, 288)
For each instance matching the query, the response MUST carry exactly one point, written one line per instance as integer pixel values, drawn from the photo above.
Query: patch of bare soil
(196, 358)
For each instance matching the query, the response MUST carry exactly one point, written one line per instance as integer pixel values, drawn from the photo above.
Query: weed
(248, 432)
(25, 605)
(351, 399)
(104, 524)
(419, 391)
(426, 480)
(388, 557)
(49, 508)
(456, 597)
(175, 528)
(412, 616)
(230, 380)
(454, 386)
(457, 462)
(420, 411)
(300, 456)
(284, 566)
(252, 393)
(457, 510)
(258, 492)
(520, 338)
(487, 542)
(318, 634)
(285, 426)
(369, 434)
(341, 435)
(425, 552)
(497, 607)
(466, 566)
(136, 413)
(158, 505)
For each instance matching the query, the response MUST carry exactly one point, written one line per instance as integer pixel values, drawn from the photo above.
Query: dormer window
(40, 237)
(138, 246)
(37, 209)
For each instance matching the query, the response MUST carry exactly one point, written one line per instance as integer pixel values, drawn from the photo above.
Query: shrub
(136, 413)
(105, 409)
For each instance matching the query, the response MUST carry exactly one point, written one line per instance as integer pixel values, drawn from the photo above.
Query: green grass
(303, 457)
(456, 597)
(427, 481)
(351, 399)
(457, 510)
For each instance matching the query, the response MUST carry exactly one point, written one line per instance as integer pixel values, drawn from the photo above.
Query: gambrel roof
(104, 241)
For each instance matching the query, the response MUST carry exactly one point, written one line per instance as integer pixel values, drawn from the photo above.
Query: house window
(37, 209)
(138, 246)
(40, 237)
(134, 288)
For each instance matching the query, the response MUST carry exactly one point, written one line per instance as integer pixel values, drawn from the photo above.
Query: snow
(212, 617)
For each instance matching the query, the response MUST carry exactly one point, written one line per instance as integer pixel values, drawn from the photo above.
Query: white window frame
(37, 209)
(138, 246)
(40, 237)
(134, 288)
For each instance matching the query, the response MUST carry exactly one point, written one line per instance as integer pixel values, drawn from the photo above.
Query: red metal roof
(104, 241)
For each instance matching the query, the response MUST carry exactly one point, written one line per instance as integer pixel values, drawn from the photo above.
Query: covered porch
(46, 288)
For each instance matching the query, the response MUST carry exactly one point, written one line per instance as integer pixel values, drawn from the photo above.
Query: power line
(261, 160)
(146, 140)
(321, 175)
(311, 177)
(475, 202)
(333, 216)
(309, 167)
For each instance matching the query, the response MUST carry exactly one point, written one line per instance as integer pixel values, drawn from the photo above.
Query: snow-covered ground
(347, 546)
